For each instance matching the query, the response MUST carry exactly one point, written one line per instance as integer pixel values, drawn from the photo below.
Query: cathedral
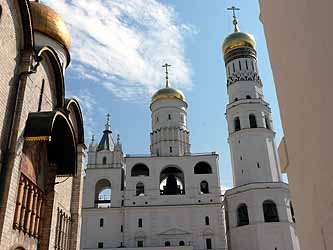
(42, 139)
(171, 198)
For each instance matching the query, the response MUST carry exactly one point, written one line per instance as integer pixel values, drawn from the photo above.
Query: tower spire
(166, 65)
(107, 123)
(235, 21)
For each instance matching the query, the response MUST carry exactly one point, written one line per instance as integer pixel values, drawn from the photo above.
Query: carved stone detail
(244, 76)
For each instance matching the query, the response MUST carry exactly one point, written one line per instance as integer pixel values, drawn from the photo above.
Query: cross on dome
(107, 123)
(235, 21)
(166, 65)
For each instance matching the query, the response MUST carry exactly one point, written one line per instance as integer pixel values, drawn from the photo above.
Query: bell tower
(258, 209)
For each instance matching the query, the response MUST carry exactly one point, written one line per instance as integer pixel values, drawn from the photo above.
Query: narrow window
(167, 243)
(236, 99)
(169, 116)
(252, 65)
(104, 160)
(240, 65)
(292, 212)
(181, 243)
(247, 67)
(208, 243)
(253, 121)
(233, 67)
(237, 124)
(267, 123)
(100, 245)
(140, 222)
(101, 222)
(157, 119)
(121, 228)
(207, 220)
(140, 243)
(242, 215)
(204, 187)
(270, 211)
(170, 149)
(41, 96)
(228, 70)
(258, 165)
(248, 97)
(140, 189)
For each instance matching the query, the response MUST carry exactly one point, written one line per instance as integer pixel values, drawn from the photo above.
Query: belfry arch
(172, 181)
(103, 193)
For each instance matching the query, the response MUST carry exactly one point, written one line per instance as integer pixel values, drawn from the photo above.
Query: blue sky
(117, 52)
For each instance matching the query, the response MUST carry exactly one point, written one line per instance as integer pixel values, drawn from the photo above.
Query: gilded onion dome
(238, 39)
(47, 21)
(168, 93)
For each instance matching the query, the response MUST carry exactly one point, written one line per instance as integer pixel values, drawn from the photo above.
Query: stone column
(76, 203)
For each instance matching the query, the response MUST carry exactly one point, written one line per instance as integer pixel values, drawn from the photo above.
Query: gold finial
(166, 65)
(235, 21)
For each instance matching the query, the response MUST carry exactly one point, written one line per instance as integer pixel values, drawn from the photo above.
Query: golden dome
(168, 93)
(47, 21)
(238, 39)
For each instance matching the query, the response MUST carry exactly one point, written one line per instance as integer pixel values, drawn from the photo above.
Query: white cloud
(122, 44)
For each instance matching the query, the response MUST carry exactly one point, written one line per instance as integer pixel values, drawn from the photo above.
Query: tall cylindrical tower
(258, 208)
(169, 136)
(251, 136)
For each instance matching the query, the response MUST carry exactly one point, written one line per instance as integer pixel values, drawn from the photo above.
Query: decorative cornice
(244, 76)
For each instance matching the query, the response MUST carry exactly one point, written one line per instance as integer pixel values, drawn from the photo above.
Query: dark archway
(202, 168)
(237, 125)
(242, 215)
(140, 189)
(103, 193)
(270, 211)
(140, 169)
(253, 121)
(172, 181)
(204, 187)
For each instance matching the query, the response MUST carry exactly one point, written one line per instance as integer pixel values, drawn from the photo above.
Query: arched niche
(202, 168)
(103, 193)
(172, 181)
(140, 169)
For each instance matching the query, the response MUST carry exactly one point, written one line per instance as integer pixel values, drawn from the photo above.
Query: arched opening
(103, 193)
(206, 220)
(140, 189)
(172, 181)
(237, 124)
(204, 188)
(267, 122)
(253, 121)
(101, 222)
(140, 169)
(248, 97)
(202, 168)
(167, 243)
(292, 212)
(242, 215)
(139, 222)
(236, 99)
(181, 243)
(270, 211)
(104, 160)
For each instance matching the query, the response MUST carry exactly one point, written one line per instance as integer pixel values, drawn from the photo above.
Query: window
(236, 99)
(206, 220)
(167, 243)
(292, 212)
(253, 121)
(202, 168)
(204, 187)
(100, 245)
(246, 65)
(140, 169)
(248, 97)
(140, 189)
(267, 122)
(233, 67)
(169, 116)
(140, 243)
(258, 165)
(237, 124)
(104, 160)
(157, 119)
(270, 211)
(103, 193)
(172, 181)
(208, 243)
(101, 222)
(170, 149)
(139, 222)
(242, 215)
(121, 228)
(240, 65)
(181, 243)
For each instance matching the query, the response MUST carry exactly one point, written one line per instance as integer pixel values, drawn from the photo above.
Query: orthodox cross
(166, 65)
(235, 22)
(107, 119)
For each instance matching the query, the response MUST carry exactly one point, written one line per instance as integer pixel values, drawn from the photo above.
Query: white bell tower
(258, 210)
